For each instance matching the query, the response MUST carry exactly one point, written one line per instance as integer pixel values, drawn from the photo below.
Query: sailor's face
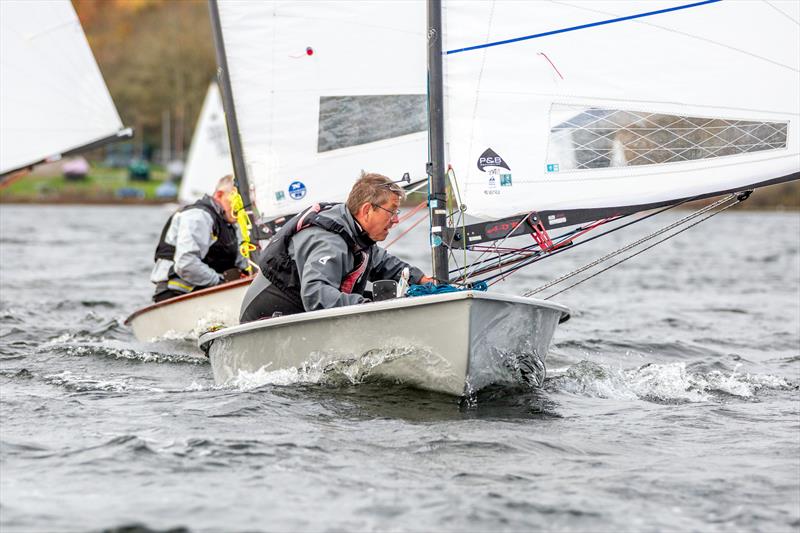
(224, 201)
(381, 217)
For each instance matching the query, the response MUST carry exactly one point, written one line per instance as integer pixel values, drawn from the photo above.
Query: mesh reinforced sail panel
(601, 138)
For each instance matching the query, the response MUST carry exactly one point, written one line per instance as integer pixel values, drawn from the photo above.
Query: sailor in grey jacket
(324, 256)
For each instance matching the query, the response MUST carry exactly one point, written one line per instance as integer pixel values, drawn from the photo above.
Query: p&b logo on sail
(489, 159)
(491, 163)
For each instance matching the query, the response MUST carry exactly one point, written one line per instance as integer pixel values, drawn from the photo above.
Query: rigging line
(529, 254)
(505, 252)
(634, 244)
(581, 27)
(503, 275)
(509, 256)
(411, 213)
(497, 245)
(499, 266)
(506, 258)
(643, 250)
(461, 216)
(412, 226)
(612, 230)
(538, 257)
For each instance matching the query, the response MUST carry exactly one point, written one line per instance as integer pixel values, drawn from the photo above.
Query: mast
(437, 193)
(224, 79)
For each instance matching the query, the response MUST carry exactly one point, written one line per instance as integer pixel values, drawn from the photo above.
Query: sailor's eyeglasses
(395, 213)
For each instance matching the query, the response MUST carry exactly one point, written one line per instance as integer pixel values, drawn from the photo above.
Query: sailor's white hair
(225, 184)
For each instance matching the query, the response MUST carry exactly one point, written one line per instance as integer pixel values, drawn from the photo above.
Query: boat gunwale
(395, 303)
(184, 297)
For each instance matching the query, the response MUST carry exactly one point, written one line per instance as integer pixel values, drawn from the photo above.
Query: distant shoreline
(87, 201)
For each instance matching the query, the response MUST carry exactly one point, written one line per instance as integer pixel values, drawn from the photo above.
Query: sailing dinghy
(186, 316)
(54, 100)
(559, 122)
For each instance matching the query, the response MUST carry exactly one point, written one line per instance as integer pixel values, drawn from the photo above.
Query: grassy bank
(102, 185)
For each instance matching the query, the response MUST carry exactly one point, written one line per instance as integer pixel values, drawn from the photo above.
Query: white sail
(569, 106)
(323, 90)
(209, 154)
(53, 99)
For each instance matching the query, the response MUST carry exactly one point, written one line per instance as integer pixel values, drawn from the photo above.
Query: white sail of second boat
(209, 154)
(54, 100)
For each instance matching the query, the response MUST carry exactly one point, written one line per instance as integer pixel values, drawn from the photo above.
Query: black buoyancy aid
(280, 269)
(222, 254)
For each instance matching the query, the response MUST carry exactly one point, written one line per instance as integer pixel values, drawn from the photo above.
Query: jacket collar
(353, 227)
(210, 200)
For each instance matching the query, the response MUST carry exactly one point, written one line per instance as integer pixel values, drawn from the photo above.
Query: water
(672, 402)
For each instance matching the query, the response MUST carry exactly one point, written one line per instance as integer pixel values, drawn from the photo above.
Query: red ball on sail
(309, 51)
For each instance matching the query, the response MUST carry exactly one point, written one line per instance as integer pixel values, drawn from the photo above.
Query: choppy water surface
(672, 402)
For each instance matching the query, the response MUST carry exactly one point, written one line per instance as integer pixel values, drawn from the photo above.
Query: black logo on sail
(489, 158)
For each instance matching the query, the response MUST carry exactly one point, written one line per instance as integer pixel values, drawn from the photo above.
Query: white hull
(454, 343)
(186, 317)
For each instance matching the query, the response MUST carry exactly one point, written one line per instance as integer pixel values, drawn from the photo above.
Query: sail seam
(782, 12)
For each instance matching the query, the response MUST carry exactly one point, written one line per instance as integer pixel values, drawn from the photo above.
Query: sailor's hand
(232, 274)
(426, 279)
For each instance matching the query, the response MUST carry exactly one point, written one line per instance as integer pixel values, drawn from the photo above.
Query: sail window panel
(593, 138)
(346, 121)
